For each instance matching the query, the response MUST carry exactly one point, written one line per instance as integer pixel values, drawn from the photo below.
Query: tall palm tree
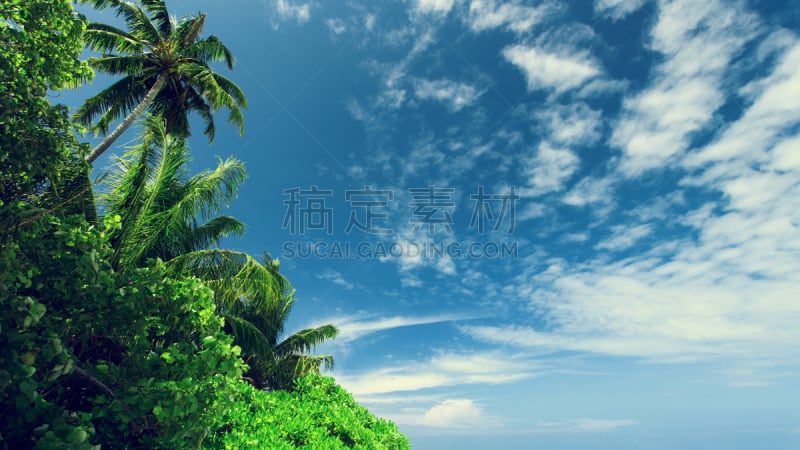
(168, 215)
(166, 70)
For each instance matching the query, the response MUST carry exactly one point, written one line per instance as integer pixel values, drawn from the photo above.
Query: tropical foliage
(121, 332)
(317, 414)
(39, 48)
(165, 68)
(168, 215)
(130, 358)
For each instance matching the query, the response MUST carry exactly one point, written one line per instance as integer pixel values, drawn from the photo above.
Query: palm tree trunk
(129, 120)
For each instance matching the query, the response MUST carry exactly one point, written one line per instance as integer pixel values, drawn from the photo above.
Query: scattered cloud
(764, 124)
(290, 10)
(617, 9)
(446, 369)
(486, 14)
(454, 94)
(549, 169)
(573, 124)
(591, 191)
(358, 326)
(336, 26)
(624, 236)
(559, 72)
(434, 6)
(698, 40)
(336, 278)
(453, 413)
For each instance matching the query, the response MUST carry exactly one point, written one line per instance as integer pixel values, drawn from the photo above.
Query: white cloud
(434, 6)
(559, 72)
(447, 369)
(395, 83)
(617, 9)
(486, 14)
(697, 40)
(336, 278)
(453, 413)
(454, 94)
(773, 111)
(289, 10)
(336, 26)
(589, 191)
(358, 326)
(625, 236)
(549, 169)
(728, 295)
(573, 124)
(445, 265)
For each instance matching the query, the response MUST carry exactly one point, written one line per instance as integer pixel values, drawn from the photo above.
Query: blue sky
(639, 161)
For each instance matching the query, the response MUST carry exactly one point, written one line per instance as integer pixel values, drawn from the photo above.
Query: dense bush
(129, 359)
(317, 414)
(135, 359)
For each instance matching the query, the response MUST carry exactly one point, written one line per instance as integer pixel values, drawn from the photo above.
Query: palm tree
(166, 70)
(166, 214)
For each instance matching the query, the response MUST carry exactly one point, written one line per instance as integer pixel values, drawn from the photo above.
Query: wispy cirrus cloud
(357, 326)
(617, 9)
(442, 370)
(624, 236)
(698, 41)
(336, 278)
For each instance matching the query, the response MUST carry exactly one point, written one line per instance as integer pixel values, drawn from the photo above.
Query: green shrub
(317, 414)
(88, 355)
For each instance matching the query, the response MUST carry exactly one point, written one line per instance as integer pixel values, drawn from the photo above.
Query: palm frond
(248, 337)
(208, 84)
(281, 374)
(210, 191)
(211, 232)
(101, 4)
(210, 49)
(195, 102)
(189, 30)
(105, 39)
(307, 364)
(159, 16)
(232, 89)
(142, 186)
(112, 102)
(306, 340)
(236, 278)
(139, 23)
(119, 64)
